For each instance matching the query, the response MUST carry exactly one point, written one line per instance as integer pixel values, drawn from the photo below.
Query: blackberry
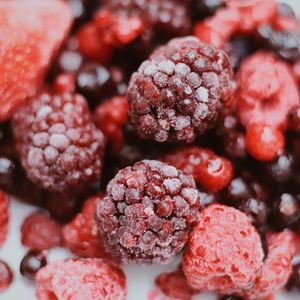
(180, 91)
(294, 281)
(148, 212)
(32, 262)
(59, 146)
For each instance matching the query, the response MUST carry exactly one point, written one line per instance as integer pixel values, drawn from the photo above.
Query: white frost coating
(172, 185)
(191, 195)
(58, 128)
(167, 67)
(40, 139)
(182, 69)
(35, 157)
(44, 111)
(59, 141)
(169, 171)
(200, 63)
(74, 135)
(202, 94)
(194, 79)
(51, 154)
(150, 70)
(182, 122)
(117, 191)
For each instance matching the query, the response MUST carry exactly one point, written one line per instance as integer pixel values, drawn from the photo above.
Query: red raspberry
(174, 285)
(148, 212)
(40, 232)
(180, 91)
(59, 146)
(224, 251)
(6, 276)
(81, 235)
(264, 143)
(4, 217)
(277, 266)
(88, 278)
(264, 82)
(110, 116)
(209, 170)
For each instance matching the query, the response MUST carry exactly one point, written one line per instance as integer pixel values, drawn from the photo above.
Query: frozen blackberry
(59, 146)
(148, 212)
(180, 91)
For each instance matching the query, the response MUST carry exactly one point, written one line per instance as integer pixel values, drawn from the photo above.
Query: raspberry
(294, 281)
(277, 266)
(6, 276)
(148, 212)
(180, 91)
(224, 251)
(59, 146)
(4, 217)
(81, 235)
(263, 83)
(174, 285)
(32, 262)
(209, 170)
(110, 116)
(88, 278)
(40, 232)
(264, 143)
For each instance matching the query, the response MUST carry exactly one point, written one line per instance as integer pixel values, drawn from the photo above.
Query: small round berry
(237, 192)
(148, 212)
(6, 276)
(32, 262)
(60, 147)
(264, 143)
(294, 280)
(180, 91)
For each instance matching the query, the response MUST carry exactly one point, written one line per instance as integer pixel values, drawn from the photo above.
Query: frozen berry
(110, 116)
(88, 278)
(59, 146)
(285, 211)
(4, 217)
(294, 280)
(264, 143)
(40, 232)
(6, 276)
(203, 8)
(32, 262)
(174, 285)
(207, 199)
(224, 252)
(148, 212)
(180, 91)
(263, 82)
(82, 235)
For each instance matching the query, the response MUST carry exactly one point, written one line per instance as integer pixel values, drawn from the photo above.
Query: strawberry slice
(30, 33)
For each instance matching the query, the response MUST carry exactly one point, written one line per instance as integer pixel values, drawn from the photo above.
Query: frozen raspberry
(180, 91)
(263, 83)
(294, 281)
(148, 212)
(6, 276)
(59, 146)
(264, 143)
(224, 252)
(4, 217)
(82, 235)
(32, 262)
(40, 232)
(277, 266)
(110, 116)
(88, 278)
(174, 285)
(209, 170)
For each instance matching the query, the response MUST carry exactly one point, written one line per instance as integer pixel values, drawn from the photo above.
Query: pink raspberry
(4, 217)
(224, 252)
(88, 278)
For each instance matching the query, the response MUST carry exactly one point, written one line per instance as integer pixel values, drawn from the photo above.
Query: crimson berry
(6, 276)
(64, 83)
(32, 262)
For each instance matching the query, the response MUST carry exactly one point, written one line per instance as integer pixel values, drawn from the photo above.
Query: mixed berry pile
(147, 129)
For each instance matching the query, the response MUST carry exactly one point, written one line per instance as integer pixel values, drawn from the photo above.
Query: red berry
(40, 232)
(6, 276)
(224, 252)
(180, 91)
(88, 278)
(4, 217)
(148, 212)
(65, 83)
(110, 116)
(264, 143)
(59, 145)
(82, 235)
(26, 50)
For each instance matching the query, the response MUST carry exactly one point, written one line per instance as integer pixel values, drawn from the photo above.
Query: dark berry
(148, 212)
(204, 8)
(294, 281)
(180, 91)
(6, 276)
(237, 192)
(231, 298)
(59, 146)
(285, 211)
(294, 119)
(32, 262)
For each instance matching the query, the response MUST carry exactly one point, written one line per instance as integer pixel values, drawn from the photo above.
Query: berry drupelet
(59, 146)
(180, 91)
(148, 212)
